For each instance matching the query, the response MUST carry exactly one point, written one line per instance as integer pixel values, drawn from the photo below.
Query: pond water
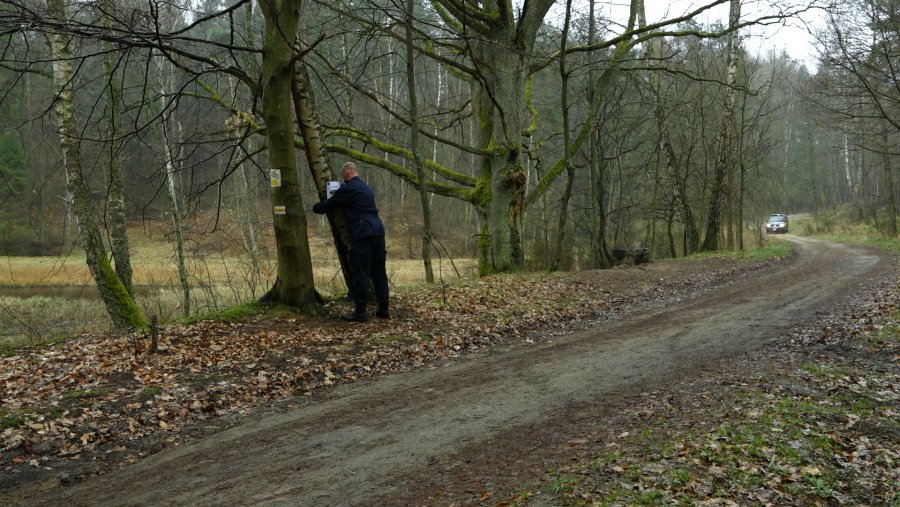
(65, 292)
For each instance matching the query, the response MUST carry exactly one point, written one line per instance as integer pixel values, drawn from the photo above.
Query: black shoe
(383, 312)
(358, 315)
(355, 317)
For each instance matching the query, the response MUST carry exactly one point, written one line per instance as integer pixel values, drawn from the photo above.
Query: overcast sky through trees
(793, 36)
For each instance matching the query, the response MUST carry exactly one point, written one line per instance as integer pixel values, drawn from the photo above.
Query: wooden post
(154, 335)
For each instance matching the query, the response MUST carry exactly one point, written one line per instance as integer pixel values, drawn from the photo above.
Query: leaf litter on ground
(98, 401)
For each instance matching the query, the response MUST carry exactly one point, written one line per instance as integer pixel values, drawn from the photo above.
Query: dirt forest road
(481, 422)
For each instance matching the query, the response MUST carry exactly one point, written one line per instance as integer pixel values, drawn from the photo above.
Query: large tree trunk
(119, 304)
(717, 198)
(502, 52)
(502, 118)
(503, 55)
(482, 197)
(294, 285)
(414, 144)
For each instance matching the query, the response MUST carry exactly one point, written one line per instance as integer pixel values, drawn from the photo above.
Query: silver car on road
(777, 223)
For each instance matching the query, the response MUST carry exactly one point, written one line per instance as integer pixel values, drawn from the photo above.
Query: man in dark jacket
(367, 250)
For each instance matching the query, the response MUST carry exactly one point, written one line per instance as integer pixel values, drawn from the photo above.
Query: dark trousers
(367, 260)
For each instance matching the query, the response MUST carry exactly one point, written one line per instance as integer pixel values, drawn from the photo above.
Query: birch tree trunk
(317, 160)
(295, 283)
(250, 211)
(171, 186)
(437, 106)
(788, 141)
(848, 171)
(68, 215)
(414, 143)
(165, 90)
(119, 304)
(717, 198)
(116, 196)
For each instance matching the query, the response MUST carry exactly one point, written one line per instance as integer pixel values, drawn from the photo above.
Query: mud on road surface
(487, 422)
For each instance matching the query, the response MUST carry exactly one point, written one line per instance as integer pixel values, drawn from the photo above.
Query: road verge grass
(759, 254)
(839, 226)
(822, 431)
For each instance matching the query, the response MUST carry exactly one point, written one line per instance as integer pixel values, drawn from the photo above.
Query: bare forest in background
(541, 135)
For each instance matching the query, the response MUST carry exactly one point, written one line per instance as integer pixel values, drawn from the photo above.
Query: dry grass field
(154, 266)
(48, 298)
